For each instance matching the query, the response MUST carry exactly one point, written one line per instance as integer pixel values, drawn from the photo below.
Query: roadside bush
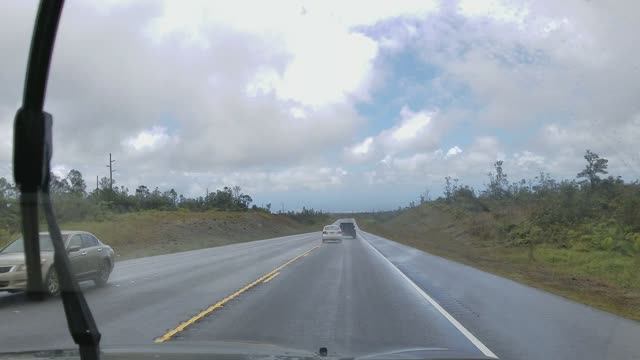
(524, 233)
(76, 208)
(607, 235)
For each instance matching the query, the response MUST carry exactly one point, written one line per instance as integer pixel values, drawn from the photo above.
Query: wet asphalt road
(299, 293)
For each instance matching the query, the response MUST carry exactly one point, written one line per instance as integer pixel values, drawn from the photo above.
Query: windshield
(18, 245)
(473, 165)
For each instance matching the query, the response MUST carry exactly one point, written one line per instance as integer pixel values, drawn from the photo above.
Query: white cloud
(149, 139)
(495, 9)
(328, 60)
(529, 162)
(454, 151)
(263, 82)
(414, 131)
(411, 126)
(298, 112)
(310, 177)
(60, 171)
(362, 148)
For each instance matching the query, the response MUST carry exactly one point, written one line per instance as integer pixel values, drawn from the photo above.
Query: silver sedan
(90, 260)
(331, 233)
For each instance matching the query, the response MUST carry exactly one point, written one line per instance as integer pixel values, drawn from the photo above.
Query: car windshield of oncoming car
(18, 245)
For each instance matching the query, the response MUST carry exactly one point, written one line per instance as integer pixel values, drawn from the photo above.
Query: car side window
(89, 240)
(75, 240)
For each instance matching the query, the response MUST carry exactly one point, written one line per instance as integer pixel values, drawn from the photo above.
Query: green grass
(617, 269)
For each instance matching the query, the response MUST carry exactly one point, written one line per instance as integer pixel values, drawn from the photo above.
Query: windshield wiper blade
(31, 160)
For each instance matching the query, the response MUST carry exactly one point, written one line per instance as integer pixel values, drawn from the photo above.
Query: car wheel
(103, 274)
(52, 282)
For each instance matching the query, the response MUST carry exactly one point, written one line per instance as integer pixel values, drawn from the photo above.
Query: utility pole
(96, 182)
(283, 208)
(111, 171)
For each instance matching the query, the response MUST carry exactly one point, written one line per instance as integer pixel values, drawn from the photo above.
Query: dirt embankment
(160, 232)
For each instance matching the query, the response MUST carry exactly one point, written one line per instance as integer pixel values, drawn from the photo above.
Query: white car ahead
(331, 233)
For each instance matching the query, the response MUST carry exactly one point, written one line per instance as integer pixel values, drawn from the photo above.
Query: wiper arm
(82, 326)
(31, 162)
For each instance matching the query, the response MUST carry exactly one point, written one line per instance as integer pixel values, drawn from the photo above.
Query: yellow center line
(271, 277)
(268, 276)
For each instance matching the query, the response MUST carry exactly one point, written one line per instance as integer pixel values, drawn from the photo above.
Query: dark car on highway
(348, 229)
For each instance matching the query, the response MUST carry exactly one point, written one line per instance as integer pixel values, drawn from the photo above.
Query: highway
(362, 296)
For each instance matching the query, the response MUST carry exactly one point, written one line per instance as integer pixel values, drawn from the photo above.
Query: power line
(111, 171)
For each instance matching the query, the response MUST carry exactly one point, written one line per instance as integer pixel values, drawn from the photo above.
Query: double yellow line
(265, 278)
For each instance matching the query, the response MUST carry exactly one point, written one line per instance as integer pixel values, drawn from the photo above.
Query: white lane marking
(482, 347)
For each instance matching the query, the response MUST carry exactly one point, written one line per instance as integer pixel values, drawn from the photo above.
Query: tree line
(73, 202)
(593, 211)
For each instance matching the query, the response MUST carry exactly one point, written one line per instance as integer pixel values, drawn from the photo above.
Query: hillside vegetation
(149, 233)
(149, 222)
(577, 238)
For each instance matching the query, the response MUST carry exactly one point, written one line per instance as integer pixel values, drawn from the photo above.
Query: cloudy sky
(335, 105)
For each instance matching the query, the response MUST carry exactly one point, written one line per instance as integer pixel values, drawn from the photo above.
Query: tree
(237, 191)
(595, 166)
(545, 184)
(7, 190)
(245, 200)
(170, 197)
(105, 183)
(425, 196)
(57, 185)
(77, 186)
(448, 188)
(142, 191)
(174, 196)
(499, 184)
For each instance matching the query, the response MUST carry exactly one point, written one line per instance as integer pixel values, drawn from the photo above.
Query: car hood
(18, 258)
(229, 350)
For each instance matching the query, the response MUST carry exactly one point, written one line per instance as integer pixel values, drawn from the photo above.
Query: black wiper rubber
(31, 163)
(44, 36)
